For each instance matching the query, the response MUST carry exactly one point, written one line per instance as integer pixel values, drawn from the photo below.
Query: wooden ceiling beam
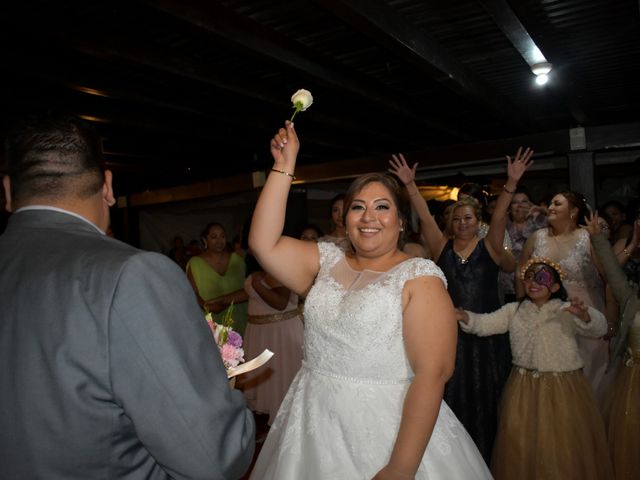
(604, 138)
(388, 27)
(247, 34)
(130, 49)
(179, 65)
(57, 74)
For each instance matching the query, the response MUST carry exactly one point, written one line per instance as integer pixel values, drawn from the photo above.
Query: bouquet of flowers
(228, 340)
(230, 345)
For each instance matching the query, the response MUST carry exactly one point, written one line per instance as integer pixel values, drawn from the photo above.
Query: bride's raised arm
(294, 263)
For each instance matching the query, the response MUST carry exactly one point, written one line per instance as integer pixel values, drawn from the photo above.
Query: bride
(379, 346)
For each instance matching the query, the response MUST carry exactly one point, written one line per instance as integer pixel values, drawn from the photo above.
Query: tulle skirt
(623, 419)
(550, 428)
(265, 387)
(336, 428)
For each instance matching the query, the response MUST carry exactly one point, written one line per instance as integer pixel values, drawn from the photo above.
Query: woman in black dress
(471, 265)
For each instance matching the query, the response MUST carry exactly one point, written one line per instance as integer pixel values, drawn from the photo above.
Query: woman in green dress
(217, 277)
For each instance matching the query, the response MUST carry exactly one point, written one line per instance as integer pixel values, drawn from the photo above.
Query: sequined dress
(482, 363)
(341, 415)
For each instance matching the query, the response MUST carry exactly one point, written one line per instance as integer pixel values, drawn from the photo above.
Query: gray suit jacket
(107, 367)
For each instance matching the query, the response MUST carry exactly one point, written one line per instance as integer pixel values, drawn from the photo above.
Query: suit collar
(44, 216)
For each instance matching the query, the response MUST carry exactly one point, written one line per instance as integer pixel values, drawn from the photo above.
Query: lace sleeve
(421, 267)
(330, 253)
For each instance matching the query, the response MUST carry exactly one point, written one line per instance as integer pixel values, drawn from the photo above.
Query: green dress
(211, 285)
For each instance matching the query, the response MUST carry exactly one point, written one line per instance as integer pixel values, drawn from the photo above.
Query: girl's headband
(543, 261)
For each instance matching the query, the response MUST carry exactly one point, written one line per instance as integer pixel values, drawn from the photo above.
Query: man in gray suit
(107, 367)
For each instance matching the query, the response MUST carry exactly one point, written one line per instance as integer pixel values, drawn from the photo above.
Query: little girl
(549, 426)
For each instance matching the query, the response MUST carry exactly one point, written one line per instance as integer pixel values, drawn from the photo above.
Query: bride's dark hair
(397, 197)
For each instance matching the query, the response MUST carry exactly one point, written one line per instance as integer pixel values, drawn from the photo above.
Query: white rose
(302, 99)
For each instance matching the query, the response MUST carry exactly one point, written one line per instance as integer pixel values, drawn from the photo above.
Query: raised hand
(400, 168)
(592, 224)
(578, 309)
(518, 165)
(285, 146)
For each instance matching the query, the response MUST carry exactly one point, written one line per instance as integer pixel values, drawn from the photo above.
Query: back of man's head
(53, 157)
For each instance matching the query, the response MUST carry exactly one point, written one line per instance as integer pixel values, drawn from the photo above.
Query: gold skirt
(550, 428)
(623, 419)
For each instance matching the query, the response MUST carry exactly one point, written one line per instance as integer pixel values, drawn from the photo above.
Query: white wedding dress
(340, 417)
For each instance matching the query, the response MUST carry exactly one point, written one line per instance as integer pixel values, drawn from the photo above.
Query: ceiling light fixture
(541, 71)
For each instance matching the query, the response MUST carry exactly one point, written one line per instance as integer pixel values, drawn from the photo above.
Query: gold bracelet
(284, 173)
(504, 187)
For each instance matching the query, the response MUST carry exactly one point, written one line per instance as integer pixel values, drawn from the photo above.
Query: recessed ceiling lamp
(541, 71)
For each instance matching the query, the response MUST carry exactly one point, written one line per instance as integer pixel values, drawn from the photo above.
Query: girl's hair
(397, 197)
(465, 202)
(577, 200)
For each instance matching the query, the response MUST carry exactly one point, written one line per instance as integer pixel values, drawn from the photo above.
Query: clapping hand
(578, 308)
(518, 165)
(400, 168)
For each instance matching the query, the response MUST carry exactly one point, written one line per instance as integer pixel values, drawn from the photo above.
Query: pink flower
(229, 342)
(231, 356)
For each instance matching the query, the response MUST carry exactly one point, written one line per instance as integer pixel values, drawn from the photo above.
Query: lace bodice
(582, 277)
(353, 320)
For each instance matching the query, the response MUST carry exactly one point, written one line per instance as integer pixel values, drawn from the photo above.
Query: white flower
(303, 97)
(301, 100)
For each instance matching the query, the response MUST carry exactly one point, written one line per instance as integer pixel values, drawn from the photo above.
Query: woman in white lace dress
(566, 243)
(380, 338)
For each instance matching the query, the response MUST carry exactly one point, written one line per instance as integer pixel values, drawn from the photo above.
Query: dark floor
(261, 434)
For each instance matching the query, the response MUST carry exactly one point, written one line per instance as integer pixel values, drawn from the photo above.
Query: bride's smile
(372, 220)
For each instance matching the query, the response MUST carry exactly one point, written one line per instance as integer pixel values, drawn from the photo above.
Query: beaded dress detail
(341, 415)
